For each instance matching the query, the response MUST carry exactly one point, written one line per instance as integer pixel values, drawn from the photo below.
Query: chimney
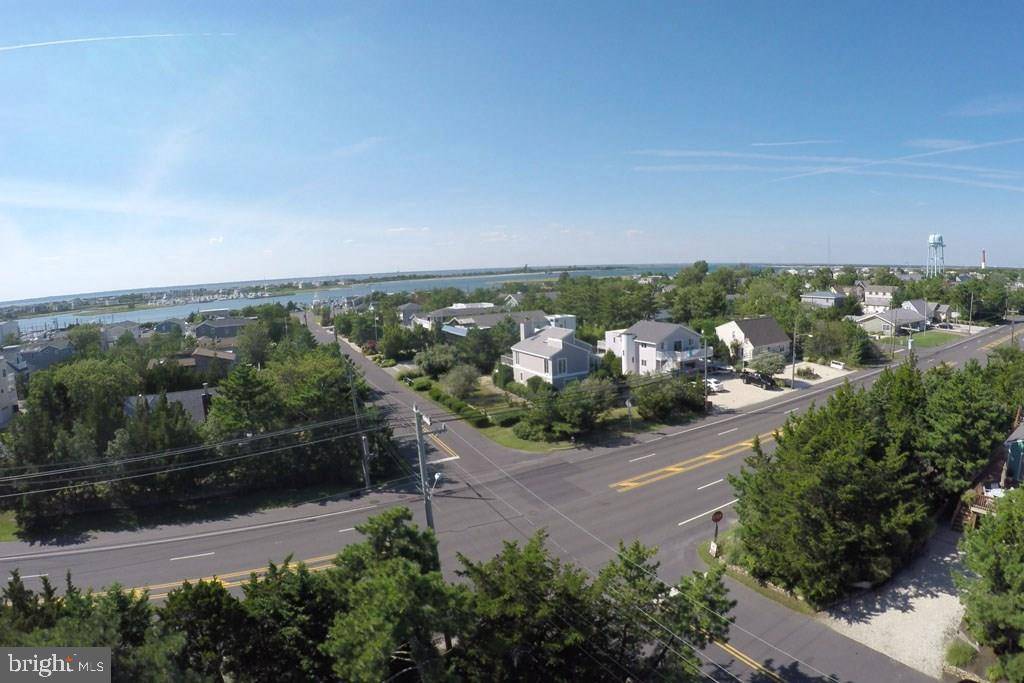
(523, 330)
(206, 399)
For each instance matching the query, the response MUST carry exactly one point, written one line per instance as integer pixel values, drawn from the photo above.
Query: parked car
(759, 379)
(714, 385)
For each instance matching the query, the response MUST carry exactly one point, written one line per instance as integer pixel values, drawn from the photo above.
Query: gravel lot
(912, 618)
(738, 395)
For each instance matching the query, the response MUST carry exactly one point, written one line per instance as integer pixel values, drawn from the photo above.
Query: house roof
(655, 332)
(485, 320)
(214, 353)
(762, 331)
(191, 400)
(1017, 434)
(541, 344)
(412, 307)
(226, 322)
(820, 294)
(464, 312)
(895, 316)
(888, 289)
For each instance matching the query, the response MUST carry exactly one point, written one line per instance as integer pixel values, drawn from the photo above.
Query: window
(561, 366)
(547, 366)
(677, 345)
(643, 363)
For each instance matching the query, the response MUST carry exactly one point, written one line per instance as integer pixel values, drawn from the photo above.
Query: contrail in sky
(101, 39)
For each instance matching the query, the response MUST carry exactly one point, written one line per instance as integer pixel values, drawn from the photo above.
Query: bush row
(475, 417)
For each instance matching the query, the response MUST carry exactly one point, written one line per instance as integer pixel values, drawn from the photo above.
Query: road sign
(717, 517)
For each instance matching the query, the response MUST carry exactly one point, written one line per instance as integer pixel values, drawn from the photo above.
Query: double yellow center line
(159, 591)
(687, 465)
(749, 661)
(995, 343)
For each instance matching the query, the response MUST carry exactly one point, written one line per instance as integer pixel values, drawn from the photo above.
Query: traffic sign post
(716, 517)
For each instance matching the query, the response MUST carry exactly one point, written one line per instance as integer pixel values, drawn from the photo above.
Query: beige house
(754, 336)
(878, 298)
(553, 354)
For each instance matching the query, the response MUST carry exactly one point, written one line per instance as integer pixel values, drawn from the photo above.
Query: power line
(643, 569)
(190, 466)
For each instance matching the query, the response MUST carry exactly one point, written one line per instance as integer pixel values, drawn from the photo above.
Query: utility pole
(420, 452)
(355, 411)
(704, 338)
(970, 317)
(792, 378)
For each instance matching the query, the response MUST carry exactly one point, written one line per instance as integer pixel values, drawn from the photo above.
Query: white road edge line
(716, 481)
(728, 431)
(644, 457)
(34, 576)
(192, 557)
(792, 410)
(177, 539)
(351, 528)
(696, 517)
(438, 462)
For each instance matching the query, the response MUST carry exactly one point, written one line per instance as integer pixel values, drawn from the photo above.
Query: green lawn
(933, 338)
(8, 527)
(504, 436)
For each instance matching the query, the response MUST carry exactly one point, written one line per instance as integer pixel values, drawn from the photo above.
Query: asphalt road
(660, 488)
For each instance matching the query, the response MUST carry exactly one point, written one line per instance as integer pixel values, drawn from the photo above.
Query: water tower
(936, 256)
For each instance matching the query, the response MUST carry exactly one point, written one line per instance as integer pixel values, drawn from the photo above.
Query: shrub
(804, 372)
(509, 419)
(535, 385)
(960, 653)
(461, 381)
(411, 373)
(436, 360)
(502, 376)
(530, 431)
(436, 393)
(388, 363)
(422, 384)
(518, 389)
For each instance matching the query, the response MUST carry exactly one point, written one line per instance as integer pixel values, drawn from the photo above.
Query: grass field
(933, 338)
(8, 527)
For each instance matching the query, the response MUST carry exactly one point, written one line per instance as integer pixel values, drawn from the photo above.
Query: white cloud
(102, 39)
(634, 233)
(495, 236)
(348, 241)
(359, 147)
(217, 239)
(794, 143)
(936, 143)
(993, 105)
(396, 231)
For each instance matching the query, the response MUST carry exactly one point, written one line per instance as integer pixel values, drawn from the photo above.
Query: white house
(553, 354)
(650, 347)
(878, 298)
(754, 336)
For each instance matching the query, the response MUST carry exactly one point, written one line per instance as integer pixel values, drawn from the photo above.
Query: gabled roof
(460, 311)
(191, 400)
(895, 316)
(214, 353)
(763, 331)
(545, 343)
(888, 289)
(486, 320)
(411, 307)
(821, 295)
(226, 322)
(655, 332)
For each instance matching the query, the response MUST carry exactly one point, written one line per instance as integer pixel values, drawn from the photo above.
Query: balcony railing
(506, 360)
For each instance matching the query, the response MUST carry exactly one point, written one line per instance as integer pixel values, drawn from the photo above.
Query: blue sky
(345, 137)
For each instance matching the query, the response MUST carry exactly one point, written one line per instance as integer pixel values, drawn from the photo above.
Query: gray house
(822, 299)
(171, 326)
(221, 328)
(553, 354)
(196, 402)
(898, 320)
(41, 355)
(406, 312)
